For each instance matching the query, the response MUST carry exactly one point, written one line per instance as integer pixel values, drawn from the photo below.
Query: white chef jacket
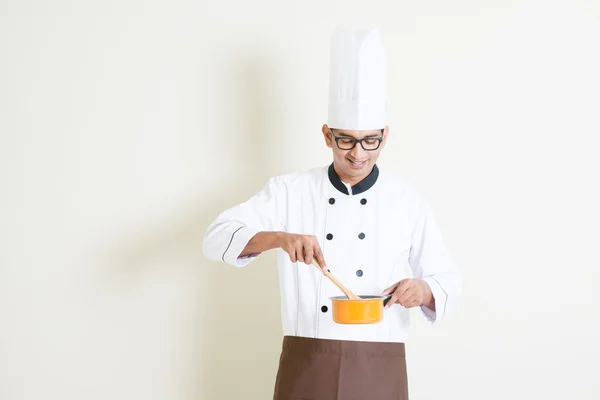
(372, 235)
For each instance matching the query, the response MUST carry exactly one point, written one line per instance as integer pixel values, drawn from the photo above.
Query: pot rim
(365, 297)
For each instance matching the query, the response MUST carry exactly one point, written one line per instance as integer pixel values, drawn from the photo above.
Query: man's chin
(356, 172)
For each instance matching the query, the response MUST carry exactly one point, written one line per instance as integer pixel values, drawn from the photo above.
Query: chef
(375, 234)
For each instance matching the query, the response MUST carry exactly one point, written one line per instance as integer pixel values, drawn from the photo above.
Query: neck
(351, 180)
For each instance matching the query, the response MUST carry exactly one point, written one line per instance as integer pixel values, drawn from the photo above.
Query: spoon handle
(337, 283)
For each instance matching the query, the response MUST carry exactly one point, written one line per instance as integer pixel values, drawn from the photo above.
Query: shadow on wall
(232, 335)
(240, 310)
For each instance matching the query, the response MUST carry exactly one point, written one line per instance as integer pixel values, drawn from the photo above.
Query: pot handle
(387, 298)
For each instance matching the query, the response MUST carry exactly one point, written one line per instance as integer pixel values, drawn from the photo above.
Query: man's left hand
(410, 293)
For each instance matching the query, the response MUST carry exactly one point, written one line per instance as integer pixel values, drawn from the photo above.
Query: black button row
(361, 236)
(362, 201)
(358, 273)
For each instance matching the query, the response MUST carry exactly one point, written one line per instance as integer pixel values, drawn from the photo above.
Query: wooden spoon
(337, 283)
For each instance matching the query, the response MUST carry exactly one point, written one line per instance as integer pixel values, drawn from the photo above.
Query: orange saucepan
(367, 310)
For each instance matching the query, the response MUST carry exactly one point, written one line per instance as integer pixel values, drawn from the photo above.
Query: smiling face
(355, 164)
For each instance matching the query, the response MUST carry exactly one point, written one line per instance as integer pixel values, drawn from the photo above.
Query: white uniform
(372, 235)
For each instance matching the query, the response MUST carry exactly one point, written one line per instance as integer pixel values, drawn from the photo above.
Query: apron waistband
(346, 348)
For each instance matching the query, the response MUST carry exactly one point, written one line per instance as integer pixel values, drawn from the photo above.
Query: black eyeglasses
(348, 142)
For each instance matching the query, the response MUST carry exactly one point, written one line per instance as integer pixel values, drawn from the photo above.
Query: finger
(416, 303)
(403, 286)
(318, 254)
(292, 254)
(391, 302)
(396, 294)
(409, 293)
(407, 301)
(308, 255)
(321, 261)
(390, 289)
(300, 253)
(413, 302)
(394, 299)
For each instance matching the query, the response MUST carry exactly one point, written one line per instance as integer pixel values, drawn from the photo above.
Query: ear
(386, 131)
(327, 136)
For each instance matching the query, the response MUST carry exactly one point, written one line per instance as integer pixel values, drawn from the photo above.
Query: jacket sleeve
(228, 235)
(431, 261)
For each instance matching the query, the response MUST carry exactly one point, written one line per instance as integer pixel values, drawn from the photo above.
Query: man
(368, 229)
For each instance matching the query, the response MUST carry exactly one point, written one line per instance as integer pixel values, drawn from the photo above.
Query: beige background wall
(125, 127)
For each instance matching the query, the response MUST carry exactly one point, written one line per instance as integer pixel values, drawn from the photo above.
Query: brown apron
(323, 369)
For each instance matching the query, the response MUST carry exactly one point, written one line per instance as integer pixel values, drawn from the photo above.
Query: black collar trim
(360, 187)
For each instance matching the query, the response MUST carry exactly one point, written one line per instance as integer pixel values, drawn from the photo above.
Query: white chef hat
(357, 80)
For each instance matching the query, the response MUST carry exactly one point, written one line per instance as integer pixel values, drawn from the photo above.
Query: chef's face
(356, 163)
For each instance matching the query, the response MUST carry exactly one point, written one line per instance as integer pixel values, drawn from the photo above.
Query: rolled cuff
(440, 298)
(239, 239)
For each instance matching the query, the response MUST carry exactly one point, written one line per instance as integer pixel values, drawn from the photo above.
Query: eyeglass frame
(379, 139)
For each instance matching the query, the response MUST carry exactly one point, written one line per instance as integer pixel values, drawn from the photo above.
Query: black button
(324, 308)
(359, 272)
(332, 201)
(329, 236)
(361, 236)
(363, 201)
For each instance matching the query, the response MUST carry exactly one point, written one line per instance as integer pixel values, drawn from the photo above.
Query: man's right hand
(302, 248)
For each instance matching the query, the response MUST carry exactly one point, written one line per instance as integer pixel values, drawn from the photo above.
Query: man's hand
(410, 293)
(302, 248)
